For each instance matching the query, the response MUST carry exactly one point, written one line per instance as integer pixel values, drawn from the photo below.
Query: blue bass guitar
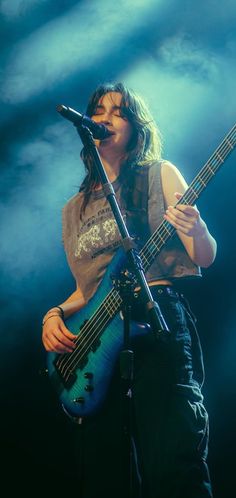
(82, 378)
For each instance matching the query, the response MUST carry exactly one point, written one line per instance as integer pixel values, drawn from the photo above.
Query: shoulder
(168, 168)
(172, 181)
(72, 204)
(73, 200)
(148, 170)
(170, 171)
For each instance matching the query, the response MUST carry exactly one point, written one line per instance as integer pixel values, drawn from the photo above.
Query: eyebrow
(114, 107)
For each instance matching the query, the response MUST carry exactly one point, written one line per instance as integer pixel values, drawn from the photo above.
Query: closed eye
(116, 111)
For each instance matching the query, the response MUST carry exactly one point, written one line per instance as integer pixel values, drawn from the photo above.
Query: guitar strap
(136, 205)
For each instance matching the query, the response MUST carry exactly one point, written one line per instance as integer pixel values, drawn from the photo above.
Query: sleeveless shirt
(91, 240)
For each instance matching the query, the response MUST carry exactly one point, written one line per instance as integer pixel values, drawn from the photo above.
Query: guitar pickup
(67, 378)
(95, 345)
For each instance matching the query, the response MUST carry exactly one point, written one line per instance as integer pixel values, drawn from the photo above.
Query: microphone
(99, 131)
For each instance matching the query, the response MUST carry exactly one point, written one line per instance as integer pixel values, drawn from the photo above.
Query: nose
(104, 118)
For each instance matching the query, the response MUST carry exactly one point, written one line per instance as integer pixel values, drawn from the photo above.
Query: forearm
(186, 219)
(202, 247)
(74, 303)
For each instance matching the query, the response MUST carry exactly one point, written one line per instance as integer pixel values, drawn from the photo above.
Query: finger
(181, 225)
(176, 215)
(182, 210)
(56, 348)
(57, 339)
(65, 339)
(178, 195)
(186, 208)
(180, 220)
(66, 331)
(53, 343)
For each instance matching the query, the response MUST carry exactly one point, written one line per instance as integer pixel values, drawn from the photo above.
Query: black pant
(169, 420)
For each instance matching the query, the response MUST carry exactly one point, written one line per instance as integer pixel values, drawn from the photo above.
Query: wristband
(61, 310)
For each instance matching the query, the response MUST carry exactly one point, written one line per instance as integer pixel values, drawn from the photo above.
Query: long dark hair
(145, 146)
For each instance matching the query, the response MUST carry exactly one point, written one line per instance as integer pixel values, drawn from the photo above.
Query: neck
(112, 166)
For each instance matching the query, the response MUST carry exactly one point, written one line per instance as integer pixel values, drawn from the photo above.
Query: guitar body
(85, 392)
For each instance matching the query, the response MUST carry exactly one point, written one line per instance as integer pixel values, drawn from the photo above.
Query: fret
(211, 170)
(161, 238)
(167, 227)
(201, 182)
(114, 302)
(154, 244)
(229, 143)
(145, 261)
(109, 308)
(191, 189)
(221, 159)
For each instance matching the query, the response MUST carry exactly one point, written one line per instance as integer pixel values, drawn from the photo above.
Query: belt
(165, 290)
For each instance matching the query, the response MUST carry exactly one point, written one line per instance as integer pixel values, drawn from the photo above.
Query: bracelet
(47, 318)
(52, 312)
(61, 310)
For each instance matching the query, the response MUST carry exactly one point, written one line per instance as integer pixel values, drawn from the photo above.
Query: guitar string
(108, 302)
(221, 149)
(100, 320)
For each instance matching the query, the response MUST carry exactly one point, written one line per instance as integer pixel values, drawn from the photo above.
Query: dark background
(180, 55)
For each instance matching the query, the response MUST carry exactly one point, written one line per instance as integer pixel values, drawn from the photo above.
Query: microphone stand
(126, 288)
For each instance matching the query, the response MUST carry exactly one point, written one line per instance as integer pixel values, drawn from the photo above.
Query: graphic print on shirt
(98, 234)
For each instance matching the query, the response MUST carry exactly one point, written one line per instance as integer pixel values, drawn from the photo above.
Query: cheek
(127, 133)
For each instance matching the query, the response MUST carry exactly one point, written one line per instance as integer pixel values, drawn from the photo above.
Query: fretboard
(165, 230)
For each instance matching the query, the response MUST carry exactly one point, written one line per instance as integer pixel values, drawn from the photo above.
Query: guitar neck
(165, 230)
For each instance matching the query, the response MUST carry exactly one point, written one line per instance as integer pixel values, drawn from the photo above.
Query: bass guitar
(81, 378)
